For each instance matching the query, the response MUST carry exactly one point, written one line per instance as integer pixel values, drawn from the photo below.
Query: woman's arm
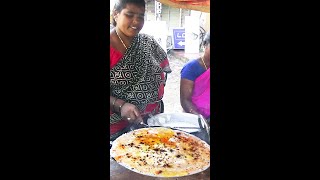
(125, 109)
(116, 104)
(186, 90)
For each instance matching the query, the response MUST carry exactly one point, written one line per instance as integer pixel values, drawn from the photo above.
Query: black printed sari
(138, 77)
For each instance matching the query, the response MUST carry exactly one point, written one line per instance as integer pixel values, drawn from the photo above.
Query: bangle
(121, 107)
(114, 101)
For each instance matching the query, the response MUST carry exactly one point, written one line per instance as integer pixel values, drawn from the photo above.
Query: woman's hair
(206, 40)
(121, 4)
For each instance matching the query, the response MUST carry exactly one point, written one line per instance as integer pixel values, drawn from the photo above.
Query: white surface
(192, 34)
(175, 120)
(157, 29)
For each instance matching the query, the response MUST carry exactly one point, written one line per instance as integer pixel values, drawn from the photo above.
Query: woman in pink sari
(195, 83)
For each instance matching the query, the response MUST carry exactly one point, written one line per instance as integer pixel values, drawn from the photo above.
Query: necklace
(120, 39)
(204, 63)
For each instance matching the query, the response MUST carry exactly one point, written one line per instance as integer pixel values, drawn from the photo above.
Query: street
(171, 97)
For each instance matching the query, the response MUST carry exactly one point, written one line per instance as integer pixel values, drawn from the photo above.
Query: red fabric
(118, 126)
(164, 63)
(198, 5)
(192, 2)
(115, 56)
(150, 108)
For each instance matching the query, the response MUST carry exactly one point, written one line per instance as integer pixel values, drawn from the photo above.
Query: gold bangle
(121, 107)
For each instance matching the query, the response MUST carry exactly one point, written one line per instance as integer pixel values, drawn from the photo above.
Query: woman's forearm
(188, 107)
(115, 104)
(186, 91)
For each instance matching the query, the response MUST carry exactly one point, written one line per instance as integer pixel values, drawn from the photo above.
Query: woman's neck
(206, 62)
(122, 37)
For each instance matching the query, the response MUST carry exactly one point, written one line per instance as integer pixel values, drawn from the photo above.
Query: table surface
(118, 172)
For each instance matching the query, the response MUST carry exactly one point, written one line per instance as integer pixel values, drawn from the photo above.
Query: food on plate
(161, 152)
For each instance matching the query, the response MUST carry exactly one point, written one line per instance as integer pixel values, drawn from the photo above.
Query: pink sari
(201, 94)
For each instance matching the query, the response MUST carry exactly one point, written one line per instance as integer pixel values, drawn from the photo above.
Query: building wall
(150, 11)
(207, 22)
(168, 14)
(175, 17)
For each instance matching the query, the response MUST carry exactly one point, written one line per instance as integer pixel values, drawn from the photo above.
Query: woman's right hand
(131, 113)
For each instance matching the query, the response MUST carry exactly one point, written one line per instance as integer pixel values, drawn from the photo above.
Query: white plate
(175, 120)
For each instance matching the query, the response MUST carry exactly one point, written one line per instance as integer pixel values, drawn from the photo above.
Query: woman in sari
(195, 83)
(137, 68)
